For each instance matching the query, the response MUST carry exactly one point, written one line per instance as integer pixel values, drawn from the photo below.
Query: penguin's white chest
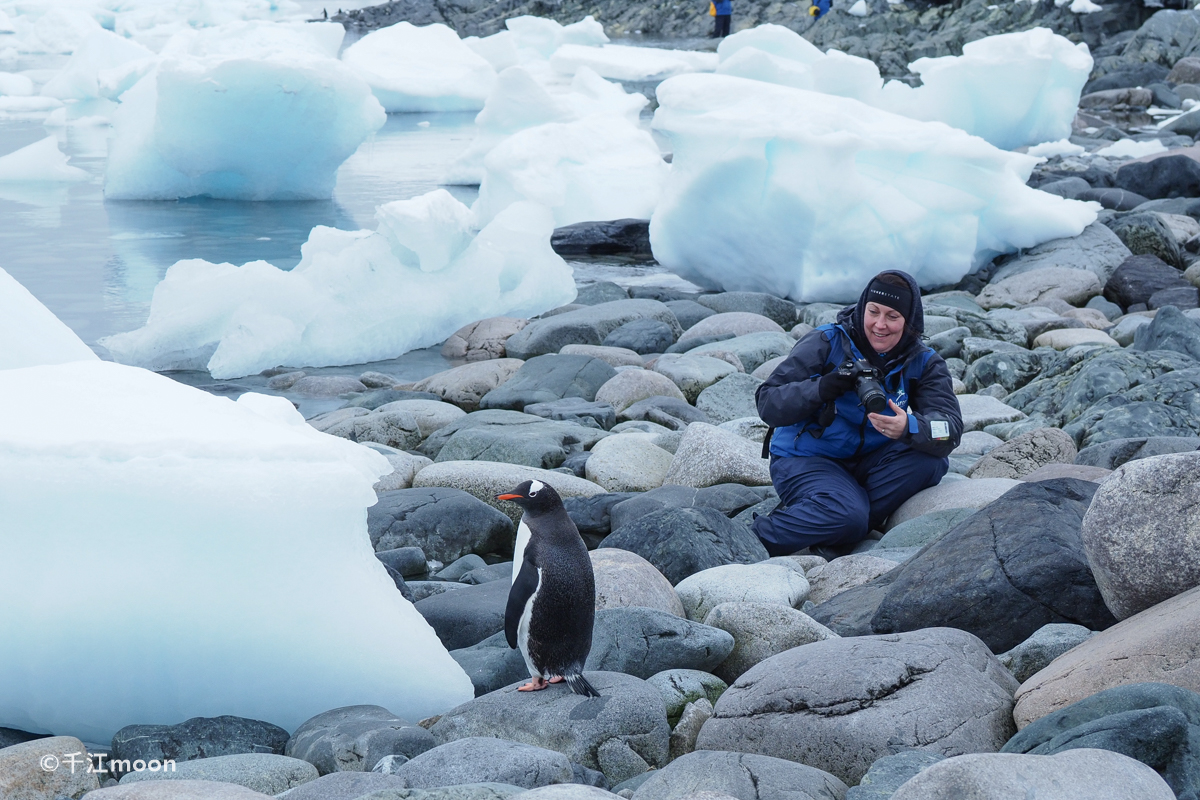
(523, 536)
(523, 627)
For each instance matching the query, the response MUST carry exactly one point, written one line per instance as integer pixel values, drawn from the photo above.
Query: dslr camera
(866, 384)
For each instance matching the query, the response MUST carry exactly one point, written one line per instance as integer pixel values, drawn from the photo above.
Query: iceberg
(187, 555)
(30, 335)
(624, 63)
(101, 51)
(355, 296)
(519, 101)
(806, 195)
(1013, 89)
(40, 162)
(247, 111)
(600, 167)
(426, 68)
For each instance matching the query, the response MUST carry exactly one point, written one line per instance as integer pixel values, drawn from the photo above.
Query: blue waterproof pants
(838, 502)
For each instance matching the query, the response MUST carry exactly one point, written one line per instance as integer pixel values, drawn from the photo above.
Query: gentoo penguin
(552, 603)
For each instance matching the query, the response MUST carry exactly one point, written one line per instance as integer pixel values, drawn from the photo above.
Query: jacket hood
(851, 317)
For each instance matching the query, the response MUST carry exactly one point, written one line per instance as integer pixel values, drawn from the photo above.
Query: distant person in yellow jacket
(722, 13)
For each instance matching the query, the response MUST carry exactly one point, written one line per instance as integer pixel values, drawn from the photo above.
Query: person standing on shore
(724, 13)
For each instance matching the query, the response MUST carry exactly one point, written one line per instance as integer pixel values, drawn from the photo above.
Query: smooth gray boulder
(841, 704)
(354, 738)
(1023, 454)
(642, 642)
(1140, 532)
(622, 733)
(485, 760)
(1046, 644)
(445, 523)
(761, 630)
(261, 772)
(510, 437)
(467, 616)
(547, 378)
(728, 498)
(590, 325)
(1001, 574)
(345, 786)
(1114, 453)
(731, 397)
(199, 737)
(1073, 775)
(459, 791)
(782, 312)
(683, 541)
(740, 775)
(890, 773)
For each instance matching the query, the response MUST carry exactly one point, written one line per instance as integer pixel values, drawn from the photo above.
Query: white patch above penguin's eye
(535, 487)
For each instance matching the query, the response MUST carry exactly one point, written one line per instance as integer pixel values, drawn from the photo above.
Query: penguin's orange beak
(509, 496)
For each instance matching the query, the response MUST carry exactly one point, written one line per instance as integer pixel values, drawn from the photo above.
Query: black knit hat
(898, 298)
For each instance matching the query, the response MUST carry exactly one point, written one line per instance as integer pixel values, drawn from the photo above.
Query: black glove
(833, 385)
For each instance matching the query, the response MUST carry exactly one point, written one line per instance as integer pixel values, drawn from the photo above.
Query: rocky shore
(1028, 626)
(1033, 616)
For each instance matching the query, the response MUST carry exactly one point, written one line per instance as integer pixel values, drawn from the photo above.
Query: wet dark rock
(1001, 574)
(593, 515)
(1115, 199)
(576, 410)
(199, 737)
(354, 738)
(445, 523)
(1136, 280)
(600, 292)
(1114, 453)
(465, 617)
(626, 238)
(642, 336)
(381, 397)
(728, 498)
(1146, 234)
(1154, 723)
(1166, 176)
(682, 541)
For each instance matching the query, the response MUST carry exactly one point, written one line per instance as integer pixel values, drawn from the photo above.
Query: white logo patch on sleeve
(939, 429)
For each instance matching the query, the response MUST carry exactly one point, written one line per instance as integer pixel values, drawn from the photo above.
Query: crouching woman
(839, 468)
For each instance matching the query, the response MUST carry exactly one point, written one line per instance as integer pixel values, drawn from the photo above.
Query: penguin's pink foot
(557, 679)
(534, 685)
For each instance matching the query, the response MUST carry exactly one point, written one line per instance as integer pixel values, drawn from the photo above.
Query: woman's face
(883, 326)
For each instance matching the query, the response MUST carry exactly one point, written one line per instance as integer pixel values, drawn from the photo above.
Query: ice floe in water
(30, 335)
(637, 64)
(1014, 89)
(246, 111)
(40, 162)
(806, 195)
(192, 556)
(356, 296)
(425, 68)
(101, 51)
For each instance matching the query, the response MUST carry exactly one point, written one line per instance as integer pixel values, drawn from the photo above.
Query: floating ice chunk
(427, 232)
(356, 296)
(102, 50)
(807, 195)
(15, 85)
(859, 9)
(1128, 148)
(222, 535)
(31, 106)
(30, 335)
(625, 63)
(421, 69)
(519, 101)
(1040, 75)
(1062, 147)
(250, 111)
(540, 37)
(499, 49)
(597, 168)
(40, 161)
(6, 25)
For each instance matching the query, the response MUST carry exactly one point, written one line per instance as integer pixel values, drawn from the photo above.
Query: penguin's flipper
(580, 685)
(518, 596)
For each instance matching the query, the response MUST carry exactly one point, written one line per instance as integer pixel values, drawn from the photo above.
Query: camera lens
(871, 395)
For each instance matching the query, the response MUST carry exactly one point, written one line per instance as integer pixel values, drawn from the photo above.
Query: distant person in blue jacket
(839, 468)
(721, 20)
(820, 8)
